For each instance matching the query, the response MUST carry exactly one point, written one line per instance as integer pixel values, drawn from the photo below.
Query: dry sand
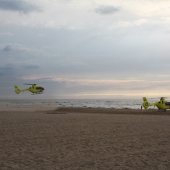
(84, 139)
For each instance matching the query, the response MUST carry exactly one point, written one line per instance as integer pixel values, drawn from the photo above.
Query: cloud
(30, 67)
(6, 34)
(7, 48)
(14, 47)
(18, 5)
(7, 70)
(105, 10)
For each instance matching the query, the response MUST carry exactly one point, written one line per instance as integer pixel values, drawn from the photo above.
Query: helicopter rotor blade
(30, 84)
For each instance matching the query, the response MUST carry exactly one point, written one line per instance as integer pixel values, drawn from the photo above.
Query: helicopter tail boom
(18, 90)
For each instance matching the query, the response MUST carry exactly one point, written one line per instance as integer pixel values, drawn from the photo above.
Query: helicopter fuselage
(162, 105)
(36, 89)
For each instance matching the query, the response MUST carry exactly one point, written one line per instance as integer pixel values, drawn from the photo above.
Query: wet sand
(84, 139)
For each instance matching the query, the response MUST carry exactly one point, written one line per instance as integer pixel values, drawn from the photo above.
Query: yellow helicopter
(34, 89)
(162, 104)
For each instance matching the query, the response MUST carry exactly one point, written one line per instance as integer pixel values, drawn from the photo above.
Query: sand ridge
(102, 110)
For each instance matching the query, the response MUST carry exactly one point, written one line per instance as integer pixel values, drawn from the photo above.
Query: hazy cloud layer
(17, 5)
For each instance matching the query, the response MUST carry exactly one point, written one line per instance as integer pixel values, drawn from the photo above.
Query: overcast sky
(85, 48)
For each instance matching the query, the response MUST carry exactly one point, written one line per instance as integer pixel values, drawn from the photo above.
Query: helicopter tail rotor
(17, 89)
(146, 104)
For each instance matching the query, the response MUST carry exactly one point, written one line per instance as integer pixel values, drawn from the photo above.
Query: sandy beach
(84, 139)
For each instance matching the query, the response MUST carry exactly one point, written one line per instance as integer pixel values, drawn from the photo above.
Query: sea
(56, 103)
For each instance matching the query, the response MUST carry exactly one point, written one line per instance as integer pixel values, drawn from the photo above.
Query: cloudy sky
(85, 48)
